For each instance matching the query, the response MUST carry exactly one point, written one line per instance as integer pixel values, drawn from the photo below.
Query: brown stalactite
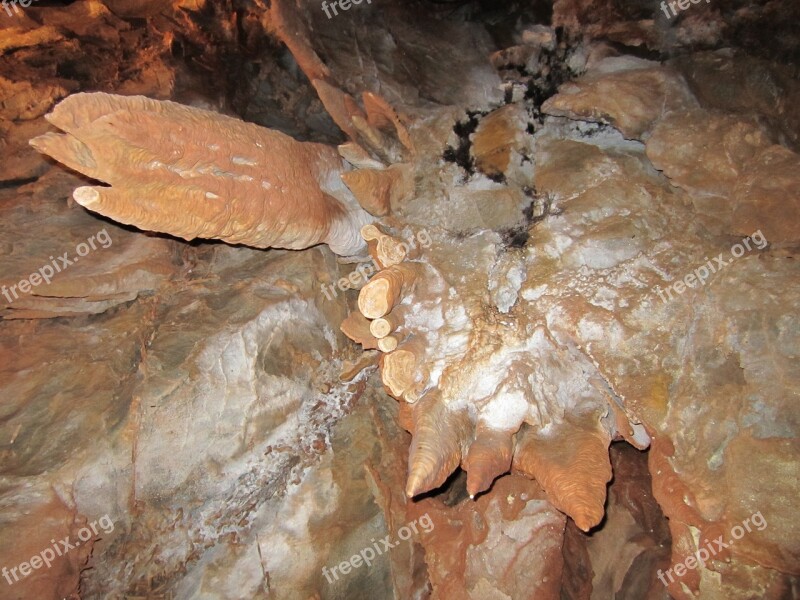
(198, 174)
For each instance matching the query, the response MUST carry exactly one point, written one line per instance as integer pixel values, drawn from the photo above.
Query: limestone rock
(630, 100)
(90, 268)
(602, 289)
(735, 173)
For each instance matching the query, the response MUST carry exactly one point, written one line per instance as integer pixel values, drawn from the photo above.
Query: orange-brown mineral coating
(194, 173)
(436, 446)
(572, 466)
(489, 456)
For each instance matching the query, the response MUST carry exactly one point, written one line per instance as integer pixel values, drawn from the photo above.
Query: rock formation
(543, 239)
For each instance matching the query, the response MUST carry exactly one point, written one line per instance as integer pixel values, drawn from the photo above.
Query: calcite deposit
(210, 176)
(542, 240)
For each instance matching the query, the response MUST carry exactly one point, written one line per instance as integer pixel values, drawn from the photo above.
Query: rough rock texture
(92, 267)
(625, 555)
(762, 29)
(616, 261)
(738, 83)
(637, 95)
(734, 171)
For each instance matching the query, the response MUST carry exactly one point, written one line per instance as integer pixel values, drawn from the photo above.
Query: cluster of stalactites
(570, 460)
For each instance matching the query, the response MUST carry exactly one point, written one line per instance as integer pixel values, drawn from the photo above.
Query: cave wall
(190, 393)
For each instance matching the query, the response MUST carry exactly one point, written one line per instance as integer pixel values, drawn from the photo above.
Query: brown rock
(767, 197)
(499, 134)
(477, 543)
(633, 101)
(91, 267)
(137, 9)
(734, 172)
(705, 152)
(739, 83)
